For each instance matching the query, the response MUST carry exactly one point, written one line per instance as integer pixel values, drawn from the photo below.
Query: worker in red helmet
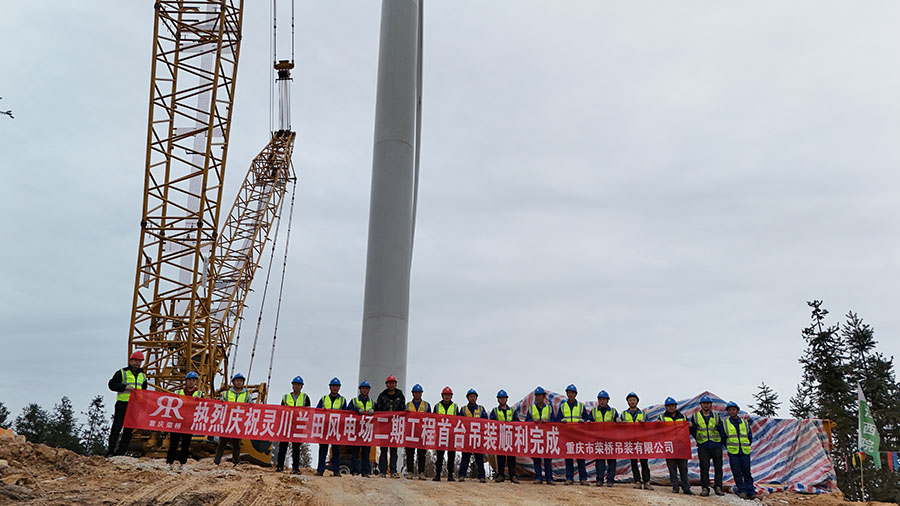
(124, 381)
(445, 407)
(390, 399)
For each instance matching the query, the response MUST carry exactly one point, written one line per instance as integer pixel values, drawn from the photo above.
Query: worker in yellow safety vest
(237, 393)
(603, 412)
(706, 427)
(472, 410)
(334, 400)
(445, 407)
(361, 405)
(504, 413)
(124, 381)
(634, 415)
(179, 443)
(572, 411)
(738, 438)
(296, 398)
(416, 455)
(541, 412)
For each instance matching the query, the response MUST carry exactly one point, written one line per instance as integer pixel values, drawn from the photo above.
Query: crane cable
(287, 242)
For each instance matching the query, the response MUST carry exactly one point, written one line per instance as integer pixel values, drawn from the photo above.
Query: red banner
(174, 413)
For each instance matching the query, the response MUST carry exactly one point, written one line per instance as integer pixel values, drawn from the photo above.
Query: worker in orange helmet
(390, 399)
(445, 407)
(124, 381)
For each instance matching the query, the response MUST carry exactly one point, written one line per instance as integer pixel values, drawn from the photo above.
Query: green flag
(868, 433)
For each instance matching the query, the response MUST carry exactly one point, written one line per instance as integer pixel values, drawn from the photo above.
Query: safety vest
(504, 415)
(707, 432)
(608, 416)
(449, 410)
(289, 400)
(474, 414)
(737, 442)
(571, 413)
(232, 396)
(327, 403)
(628, 416)
(197, 393)
(130, 379)
(365, 406)
(666, 417)
(543, 414)
(423, 406)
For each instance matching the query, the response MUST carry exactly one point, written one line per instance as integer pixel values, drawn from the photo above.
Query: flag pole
(862, 485)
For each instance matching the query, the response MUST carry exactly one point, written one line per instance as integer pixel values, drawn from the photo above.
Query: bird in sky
(8, 113)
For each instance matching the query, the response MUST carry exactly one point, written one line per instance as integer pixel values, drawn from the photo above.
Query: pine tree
(306, 456)
(4, 417)
(96, 428)
(802, 403)
(64, 429)
(33, 423)
(766, 402)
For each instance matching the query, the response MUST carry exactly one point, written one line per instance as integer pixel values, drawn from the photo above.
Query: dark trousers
(464, 464)
(179, 448)
(383, 460)
(570, 470)
(295, 455)
(439, 465)
(505, 462)
(411, 455)
(335, 464)
(740, 470)
(547, 470)
(705, 454)
(117, 445)
(641, 474)
(359, 460)
(677, 466)
(608, 467)
(235, 450)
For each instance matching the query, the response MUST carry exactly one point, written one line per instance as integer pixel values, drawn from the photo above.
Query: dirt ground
(39, 475)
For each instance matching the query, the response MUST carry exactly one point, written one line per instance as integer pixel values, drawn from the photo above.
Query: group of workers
(710, 431)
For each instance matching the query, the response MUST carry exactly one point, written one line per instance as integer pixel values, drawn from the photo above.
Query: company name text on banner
(173, 413)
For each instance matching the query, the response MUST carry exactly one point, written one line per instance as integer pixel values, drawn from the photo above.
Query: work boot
(687, 491)
(570, 482)
(364, 475)
(450, 477)
(751, 496)
(638, 485)
(396, 476)
(296, 471)
(336, 473)
(482, 480)
(422, 476)
(514, 479)
(674, 490)
(320, 473)
(648, 486)
(437, 477)
(499, 478)
(583, 483)
(279, 469)
(704, 492)
(719, 491)
(599, 483)
(742, 495)
(609, 484)
(462, 479)
(411, 475)
(537, 481)
(550, 482)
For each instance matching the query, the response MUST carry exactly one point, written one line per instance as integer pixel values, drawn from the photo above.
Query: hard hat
(417, 388)
(365, 383)
(192, 375)
(502, 393)
(447, 390)
(571, 388)
(732, 404)
(471, 391)
(632, 394)
(237, 376)
(705, 398)
(603, 395)
(297, 379)
(390, 379)
(334, 381)
(539, 391)
(670, 401)
(136, 355)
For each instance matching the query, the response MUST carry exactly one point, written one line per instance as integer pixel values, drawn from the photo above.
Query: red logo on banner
(172, 413)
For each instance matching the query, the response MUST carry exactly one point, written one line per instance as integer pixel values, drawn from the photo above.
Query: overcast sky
(628, 196)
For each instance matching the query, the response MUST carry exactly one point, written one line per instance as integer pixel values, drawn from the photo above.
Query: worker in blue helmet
(294, 398)
(334, 400)
(541, 412)
(237, 393)
(413, 455)
(504, 413)
(360, 463)
(707, 430)
(676, 466)
(573, 411)
(738, 439)
(180, 444)
(604, 413)
(640, 468)
(472, 410)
